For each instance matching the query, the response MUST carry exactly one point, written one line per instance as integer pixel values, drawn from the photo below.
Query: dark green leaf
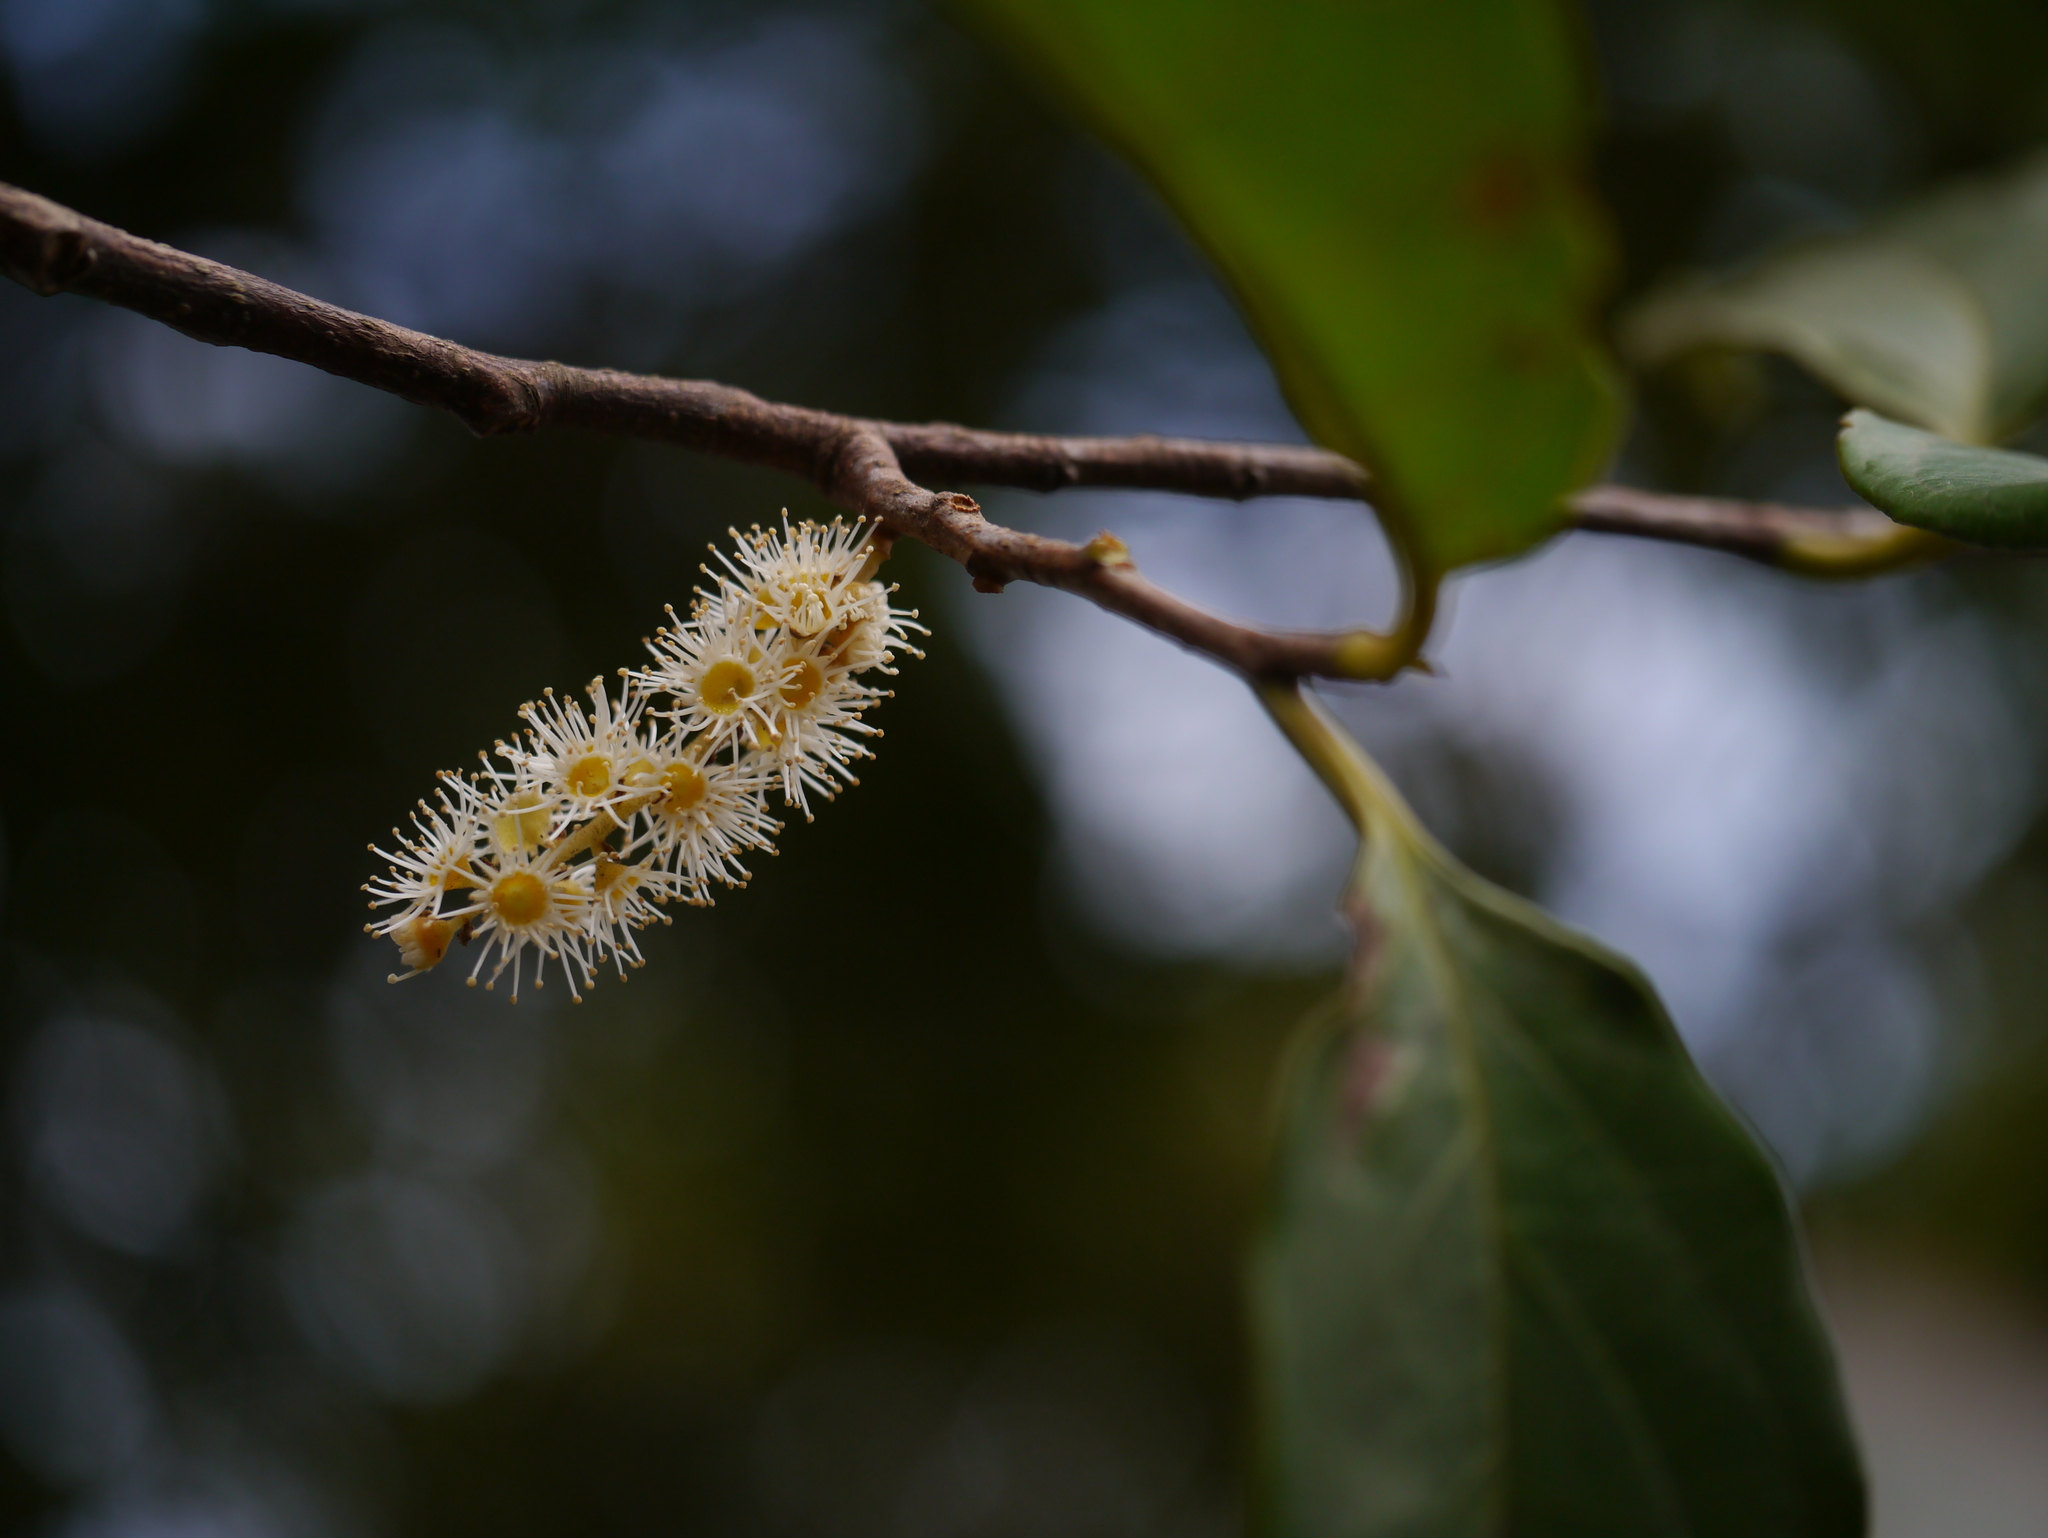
(1979, 495)
(1394, 192)
(1526, 1275)
(1937, 315)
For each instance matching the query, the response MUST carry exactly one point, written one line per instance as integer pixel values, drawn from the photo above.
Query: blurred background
(903, 1193)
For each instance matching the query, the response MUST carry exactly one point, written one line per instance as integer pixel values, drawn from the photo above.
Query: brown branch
(869, 477)
(871, 468)
(939, 451)
(1848, 541)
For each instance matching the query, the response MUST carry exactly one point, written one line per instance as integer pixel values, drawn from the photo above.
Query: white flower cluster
(579, 833)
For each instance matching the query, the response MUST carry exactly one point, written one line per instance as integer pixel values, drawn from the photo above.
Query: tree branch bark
(874, 469)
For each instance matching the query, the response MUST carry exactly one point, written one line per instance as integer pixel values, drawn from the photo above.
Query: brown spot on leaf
(1523, 350)
(1501, 192)
(1360, 975)
(1368, 1066)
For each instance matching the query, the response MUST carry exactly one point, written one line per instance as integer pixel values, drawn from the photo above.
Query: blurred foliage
(1396, 197)
(1972, 1191)
(894, 1196)
(885, 1109)
(1933, 314)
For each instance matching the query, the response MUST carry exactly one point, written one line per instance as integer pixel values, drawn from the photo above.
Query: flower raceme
(577, 834)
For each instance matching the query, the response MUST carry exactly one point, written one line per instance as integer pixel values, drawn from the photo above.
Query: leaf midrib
(1422, 888)
(1443, 974)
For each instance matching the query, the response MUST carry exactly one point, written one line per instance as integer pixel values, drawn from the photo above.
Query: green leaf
(1937, 315)
(1967, 492)
(1394, 191)
(1526, 1274)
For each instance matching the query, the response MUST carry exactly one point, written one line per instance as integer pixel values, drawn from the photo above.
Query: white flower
(817, 702)
(623, 897)
(804, 580)
(710, 811)
(591, 823)
(586, 763)
(512, 813)
(424, 870)
(815, 712)
(518, 893)
(717, 671)
(870, 635)
(526, 902)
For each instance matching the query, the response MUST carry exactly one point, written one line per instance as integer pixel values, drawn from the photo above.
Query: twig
(870, 468)
(1846, 542)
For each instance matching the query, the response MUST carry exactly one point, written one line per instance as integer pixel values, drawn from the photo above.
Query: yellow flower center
(519, 898)
(522, 822)
(685, 787)
(724, 685)
(605, 873)
(589, 776)
(639, 772)
(801, 683)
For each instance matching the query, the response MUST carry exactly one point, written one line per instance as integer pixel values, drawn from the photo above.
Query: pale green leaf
(1962, 490)
(1937, 315)
(1525, 1274)
(1395, 192)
